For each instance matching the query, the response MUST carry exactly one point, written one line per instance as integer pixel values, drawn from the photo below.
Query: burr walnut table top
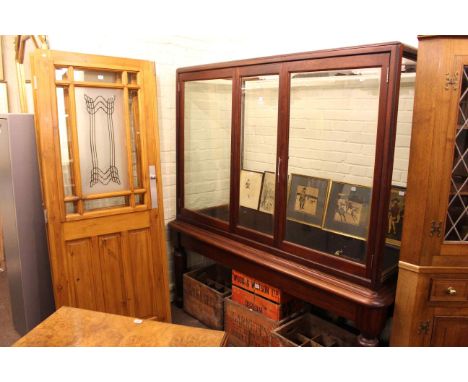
(79, 327)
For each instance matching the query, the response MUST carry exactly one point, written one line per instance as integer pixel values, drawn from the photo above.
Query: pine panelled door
(98, 145)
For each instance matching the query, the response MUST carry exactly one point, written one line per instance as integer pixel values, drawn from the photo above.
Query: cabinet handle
(451, 291)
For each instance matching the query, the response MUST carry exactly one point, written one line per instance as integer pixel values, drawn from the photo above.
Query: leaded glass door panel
(454, 233)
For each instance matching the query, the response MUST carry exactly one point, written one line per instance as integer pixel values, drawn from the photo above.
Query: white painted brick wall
(332, 130)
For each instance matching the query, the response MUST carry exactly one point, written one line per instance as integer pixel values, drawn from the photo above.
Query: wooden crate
(308, 330)
(246, 327)
(259, 288)
(263, 306)
(204, 292)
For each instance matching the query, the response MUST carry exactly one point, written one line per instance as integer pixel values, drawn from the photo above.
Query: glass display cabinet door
(97, 137)
(396, 209)
(257, 182)
(207, 147)
(334, 120)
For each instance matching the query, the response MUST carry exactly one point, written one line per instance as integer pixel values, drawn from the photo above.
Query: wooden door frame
(47, 137)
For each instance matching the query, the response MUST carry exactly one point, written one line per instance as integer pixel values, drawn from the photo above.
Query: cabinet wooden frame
(388, 58)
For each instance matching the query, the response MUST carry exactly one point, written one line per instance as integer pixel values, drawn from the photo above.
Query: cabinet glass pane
(96, 76)
(456, 226)
(332, 139)
(66, 145)
(258, 156)
(207, 146)
(135, 137)
(396, 207)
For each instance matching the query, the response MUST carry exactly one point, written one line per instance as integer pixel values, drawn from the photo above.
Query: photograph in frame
(348, 210)
(249, 188)
(396, 210)
(307, 199)
(267, 196)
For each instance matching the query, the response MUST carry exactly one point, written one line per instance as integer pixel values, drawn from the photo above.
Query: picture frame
(250, 186)
(267, 195)
(396, 210)
(348, 210)
(307, 199)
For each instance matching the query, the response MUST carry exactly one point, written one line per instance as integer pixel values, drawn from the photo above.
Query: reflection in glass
(207, 146)
(396, 207)
(61, 74)
(96, 76)
(98, 204)
(332, 136)
(139, 199)
(66, 146)
(456, 226)
(70, 208)
(131, 78)
(135, 138)
(258, 157)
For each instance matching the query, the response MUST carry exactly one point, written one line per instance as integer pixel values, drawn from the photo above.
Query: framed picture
(348, 210)
(307, 199)
(267, 196)
(396, 211)
(249, 188)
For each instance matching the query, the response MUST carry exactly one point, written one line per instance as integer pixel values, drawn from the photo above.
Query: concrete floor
(181, 318)
(8, 334)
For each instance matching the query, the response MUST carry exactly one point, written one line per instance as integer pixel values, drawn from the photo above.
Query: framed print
(396, 211)
(348, 210)
(249, 188)
(307, 198)
(267, 196)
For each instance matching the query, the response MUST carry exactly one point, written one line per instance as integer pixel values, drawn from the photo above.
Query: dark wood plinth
(367, 308)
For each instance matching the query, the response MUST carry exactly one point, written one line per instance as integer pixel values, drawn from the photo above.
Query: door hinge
(35, 82)
(436, 228)
(451, 81)
(388, 73)
(46, 217)
(423, 327)
(178, 86)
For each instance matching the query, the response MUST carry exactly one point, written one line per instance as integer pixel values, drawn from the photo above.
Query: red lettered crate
(246, 327)
(259, 288)
(263, 306)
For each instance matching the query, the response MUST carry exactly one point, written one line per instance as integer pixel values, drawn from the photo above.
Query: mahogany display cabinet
(293, 169)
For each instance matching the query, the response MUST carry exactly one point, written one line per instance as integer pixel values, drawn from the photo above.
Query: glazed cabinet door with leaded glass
(97, 140)
(454, 231)
(436, 226)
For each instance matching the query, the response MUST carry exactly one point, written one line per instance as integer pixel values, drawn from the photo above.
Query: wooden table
(79, 327)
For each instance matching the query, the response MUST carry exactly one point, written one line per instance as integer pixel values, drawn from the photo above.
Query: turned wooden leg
(371, 322)
(180, 267)
(368, 342)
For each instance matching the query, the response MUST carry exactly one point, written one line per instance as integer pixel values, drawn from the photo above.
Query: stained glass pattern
(457, 213)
